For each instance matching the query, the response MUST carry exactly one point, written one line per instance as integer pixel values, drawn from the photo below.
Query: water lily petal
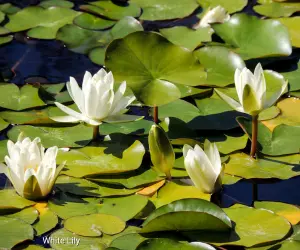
(121, 105)
(76, 94)
(70, 112)
(122, 118)
(213, 155)
(186, 149)
(66, 118)
(86, 81)
(231, 102)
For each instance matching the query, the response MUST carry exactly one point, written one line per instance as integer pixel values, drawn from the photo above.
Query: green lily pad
(187, 215)
(102, 160)
(156, 66)
(293, 77)
(277, 9)
(84, 187)
(230, 179)
(76, 136)
(95, 224)
(269, 113)
(2, 16)
(139, 178)
(66, 206)
(10, 236)
(3, 150)
(12, 97)
(5, 39)
(283, 167)
(220, 64)
(11, 202)
(28, 215)
(230, 5)
(47, 221)
(8, 8)
(89, 21)
(128, 241)
(57, 3)
(268, 37)
(280, 141)
(165, 9)
(84, 243)
(53, 93)
(293, 28)
(172, 192)
(44, 23)
(3, 124)
(112, 11)
(186, 37)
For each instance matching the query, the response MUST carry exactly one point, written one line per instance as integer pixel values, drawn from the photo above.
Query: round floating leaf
(11, 97)
(84, 187)
(97, 55)
(88, 21)
(125, 208)
(230, 5)
(186, 37)
(28, 215)
(128, 241)
(66, 206)
(293, 77)
(268, 37)
(112, 11)
(8, 8)
(289, 115)
(269, 113)
(58, 3)
(277, 9)
(2, 16)
(283, 167)
(5, 39)
(186, 215)
(3, 150)
(165, 9)
(79, 242)
(76, 136)
(10, 201)
(125, 26)
(290, 212)
(102, 160)
(293, 28)
(280, 141)
(154, 244)
(230, 179)
(95, 224)
(155, 67)
(3, 124)
(173, 192)
(220, 64)
(256, 226)
(47, 219)
(14, 231)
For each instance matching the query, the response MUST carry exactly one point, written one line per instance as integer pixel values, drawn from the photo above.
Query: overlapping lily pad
(293, 28)
(275, 9)
(230, 5)
(156, 66)
(268, 37)
(57, 3)
(9, 8)
(89, 21)
(47, 219)
(28, 215)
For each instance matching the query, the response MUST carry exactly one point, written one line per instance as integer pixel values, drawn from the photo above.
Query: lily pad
(28, 215)
(47, 219)
(230, 5)
(102, 160)
(112, 11)
(293, 28)
(8, 8)
(275, 9)
(11, 97)
(3, 124)
(10, 201)
(280, 141)
(283, 167)
(57, 3)
(89, 21)
(186, 37)
(187, 215)
(165, 9)
(84, 243)
(95, 224)
(10, 236)
(5, 39)
(220, 64)
(268, 37)
(156, 66)
(84, 187)
(293, 77)
(290, 212)
(173, 192)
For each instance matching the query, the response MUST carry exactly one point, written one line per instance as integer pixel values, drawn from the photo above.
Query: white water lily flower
(215, 15)
(204, 167)
(96, 101)
(31, 170)
(251, 91)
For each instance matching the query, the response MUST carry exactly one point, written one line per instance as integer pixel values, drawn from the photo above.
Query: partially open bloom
(31, 170)
(204, 167)
(215, 15)
(161, 150)
(251, 91)
(96, 101)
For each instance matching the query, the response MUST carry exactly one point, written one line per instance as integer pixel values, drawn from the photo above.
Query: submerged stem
(96, 133)
(155, 114)
(254, 136)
